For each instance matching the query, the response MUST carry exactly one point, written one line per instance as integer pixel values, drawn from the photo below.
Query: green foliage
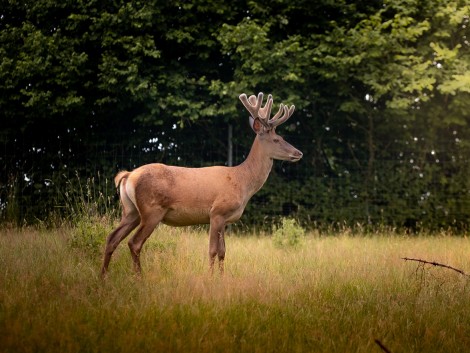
(289, 234)
(88, 212)
(381, 89)
(89, 235)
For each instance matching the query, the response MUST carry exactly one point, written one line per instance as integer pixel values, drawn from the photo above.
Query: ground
(338, 293)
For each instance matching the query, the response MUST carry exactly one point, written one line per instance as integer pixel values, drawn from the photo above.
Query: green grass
(331, 294)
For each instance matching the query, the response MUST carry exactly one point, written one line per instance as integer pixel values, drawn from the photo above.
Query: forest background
(381, 89)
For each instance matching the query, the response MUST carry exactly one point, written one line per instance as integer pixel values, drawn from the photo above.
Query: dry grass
(331, 294)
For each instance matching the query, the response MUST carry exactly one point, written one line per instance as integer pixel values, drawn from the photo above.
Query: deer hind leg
(146, 227)
(129, 221)
(217, 243)
(126, 226)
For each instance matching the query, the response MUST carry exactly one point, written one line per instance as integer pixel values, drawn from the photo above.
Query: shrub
(89, 235)
(289, 234)
(89, 211)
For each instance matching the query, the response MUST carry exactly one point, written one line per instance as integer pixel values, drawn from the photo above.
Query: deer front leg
(221, 250)
(216, 243)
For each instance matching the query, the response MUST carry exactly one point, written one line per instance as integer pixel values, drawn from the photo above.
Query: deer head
(265, 127)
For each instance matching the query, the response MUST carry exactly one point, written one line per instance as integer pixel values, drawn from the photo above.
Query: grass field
(329, 294)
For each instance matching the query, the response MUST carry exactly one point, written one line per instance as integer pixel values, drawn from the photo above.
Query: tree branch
(433, 263)
(381, 345)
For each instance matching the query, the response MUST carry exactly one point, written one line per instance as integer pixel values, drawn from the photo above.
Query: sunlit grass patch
(331, 294)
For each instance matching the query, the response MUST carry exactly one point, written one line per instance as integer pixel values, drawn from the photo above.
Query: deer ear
(256, 125)
(251, 121)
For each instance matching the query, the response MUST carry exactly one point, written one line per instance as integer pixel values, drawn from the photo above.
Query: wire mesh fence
(406, 192)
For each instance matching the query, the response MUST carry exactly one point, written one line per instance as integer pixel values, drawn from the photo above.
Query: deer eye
(276, 140)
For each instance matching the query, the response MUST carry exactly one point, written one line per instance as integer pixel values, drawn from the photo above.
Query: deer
(216, 195)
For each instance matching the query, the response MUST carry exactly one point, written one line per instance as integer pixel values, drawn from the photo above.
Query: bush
(90, 212)
(289, 234)
(90, 235)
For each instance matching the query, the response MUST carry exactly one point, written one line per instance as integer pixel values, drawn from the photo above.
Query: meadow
(328, 293)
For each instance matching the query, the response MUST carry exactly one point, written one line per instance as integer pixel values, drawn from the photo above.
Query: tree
(381, 92)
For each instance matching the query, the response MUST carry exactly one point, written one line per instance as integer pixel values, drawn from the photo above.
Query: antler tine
(265, 112)
(252, 104)
(286, 114)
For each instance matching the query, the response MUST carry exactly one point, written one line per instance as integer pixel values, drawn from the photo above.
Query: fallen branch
(381, 345)
(433, 263)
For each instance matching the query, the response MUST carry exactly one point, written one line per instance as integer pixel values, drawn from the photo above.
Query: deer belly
(186, 217)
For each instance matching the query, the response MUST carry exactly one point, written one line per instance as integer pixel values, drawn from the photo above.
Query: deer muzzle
(295, 156)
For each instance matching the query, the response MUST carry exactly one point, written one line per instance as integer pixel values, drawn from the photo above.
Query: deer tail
(119, 176)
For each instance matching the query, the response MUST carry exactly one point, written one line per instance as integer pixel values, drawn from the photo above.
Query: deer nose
(296, 156)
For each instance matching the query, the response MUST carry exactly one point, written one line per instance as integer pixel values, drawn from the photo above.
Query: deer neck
(256, 168)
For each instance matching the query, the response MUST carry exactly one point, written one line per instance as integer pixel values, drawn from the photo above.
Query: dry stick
(381, 345)
(433, 263)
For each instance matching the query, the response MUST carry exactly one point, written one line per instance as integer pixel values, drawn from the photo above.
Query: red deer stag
(215, 195)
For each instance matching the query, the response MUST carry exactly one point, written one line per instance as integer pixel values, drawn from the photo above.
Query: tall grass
(331, 294)
(88, 208)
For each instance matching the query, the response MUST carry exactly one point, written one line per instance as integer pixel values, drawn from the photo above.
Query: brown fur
(119, 176)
